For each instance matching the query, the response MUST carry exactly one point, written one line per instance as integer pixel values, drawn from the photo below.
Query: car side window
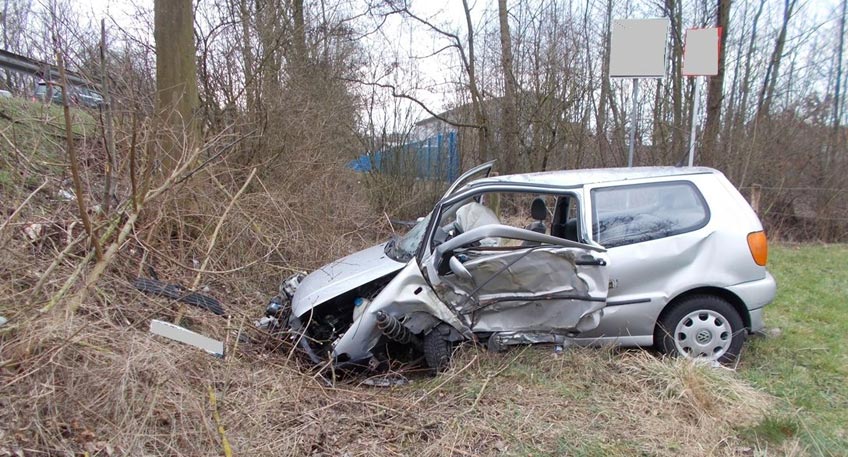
(642, 212)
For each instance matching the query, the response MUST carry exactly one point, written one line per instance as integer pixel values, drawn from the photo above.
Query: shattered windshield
(402, 248)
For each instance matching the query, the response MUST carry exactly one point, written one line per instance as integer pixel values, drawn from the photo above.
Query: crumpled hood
(340, 276)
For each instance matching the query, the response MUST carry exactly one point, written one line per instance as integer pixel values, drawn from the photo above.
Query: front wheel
(703, 327)
(437, 349)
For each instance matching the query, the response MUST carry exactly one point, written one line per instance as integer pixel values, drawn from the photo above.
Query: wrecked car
(668, 257)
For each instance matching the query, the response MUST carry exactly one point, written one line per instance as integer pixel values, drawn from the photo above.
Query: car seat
(539, 212)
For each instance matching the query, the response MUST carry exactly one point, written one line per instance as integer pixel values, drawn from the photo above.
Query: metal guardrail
(40, 69)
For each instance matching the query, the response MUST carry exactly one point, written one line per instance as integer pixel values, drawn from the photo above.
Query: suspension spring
(394, 330)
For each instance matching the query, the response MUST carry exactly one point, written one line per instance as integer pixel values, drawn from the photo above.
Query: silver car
(667, 257)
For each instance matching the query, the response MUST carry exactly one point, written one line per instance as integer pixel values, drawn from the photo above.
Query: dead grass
(91, 379)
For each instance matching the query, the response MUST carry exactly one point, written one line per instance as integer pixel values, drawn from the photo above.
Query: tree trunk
(678, 120)
(176, 79)
(251, 93)
(476, 98)
(715, 93)
(509, 120)
(601, 117)
(299, 36)
(837, 93)
(268, 26)
(746, 77)
(773, 70)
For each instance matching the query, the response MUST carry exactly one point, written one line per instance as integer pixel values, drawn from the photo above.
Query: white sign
(184, 335)
(637, 48)
(700, 54)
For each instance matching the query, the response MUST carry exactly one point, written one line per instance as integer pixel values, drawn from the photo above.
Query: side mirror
(459, 269)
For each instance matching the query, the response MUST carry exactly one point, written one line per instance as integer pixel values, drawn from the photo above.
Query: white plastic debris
(66, 195)
(386, 380)
(3, 321)
(186, 336)
(33, 231)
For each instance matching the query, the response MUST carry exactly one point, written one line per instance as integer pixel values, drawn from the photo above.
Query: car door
(655, 233)
(538, 283)
(478, 172)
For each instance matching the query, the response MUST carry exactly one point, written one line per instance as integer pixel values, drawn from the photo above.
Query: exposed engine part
(267, 324)
(290, 284)
(275, 307)
(395, 331)
(300, 338)
(276, 313)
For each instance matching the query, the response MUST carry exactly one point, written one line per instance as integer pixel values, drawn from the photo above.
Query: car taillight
(758, 244)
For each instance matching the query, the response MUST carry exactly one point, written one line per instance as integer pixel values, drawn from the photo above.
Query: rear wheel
(437, 349)
(702, 326)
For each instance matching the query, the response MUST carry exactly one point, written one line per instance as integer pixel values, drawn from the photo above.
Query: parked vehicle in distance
(668, 257)
(43, 90)
(89, 98)
(81, 96)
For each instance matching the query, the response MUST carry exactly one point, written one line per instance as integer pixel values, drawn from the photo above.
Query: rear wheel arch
(724, 294)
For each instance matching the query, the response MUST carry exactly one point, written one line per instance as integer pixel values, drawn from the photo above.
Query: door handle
(588, 260)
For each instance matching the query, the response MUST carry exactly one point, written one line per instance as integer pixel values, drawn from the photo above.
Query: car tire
(701, 326)
(437, 350)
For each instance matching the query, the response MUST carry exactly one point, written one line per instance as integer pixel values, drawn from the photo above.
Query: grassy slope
(592, 408)
(115, 384)
(807, 364)
(37, 133)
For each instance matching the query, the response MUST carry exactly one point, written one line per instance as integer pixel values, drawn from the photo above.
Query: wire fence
(434, 158)
(801, 213)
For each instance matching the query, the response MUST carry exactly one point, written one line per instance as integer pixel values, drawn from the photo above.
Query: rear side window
(643, 212)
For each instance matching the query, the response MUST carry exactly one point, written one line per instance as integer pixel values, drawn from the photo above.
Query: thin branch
(72, 156)
(396, 94)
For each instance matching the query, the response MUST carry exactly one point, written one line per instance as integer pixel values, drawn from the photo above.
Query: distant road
(44, 70)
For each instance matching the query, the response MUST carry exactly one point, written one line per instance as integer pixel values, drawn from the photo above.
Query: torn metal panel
(341, 276)
(406, 294)
(538, 288)
(500, 339)
(480, 171)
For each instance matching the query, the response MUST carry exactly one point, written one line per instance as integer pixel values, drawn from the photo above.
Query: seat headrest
(538, 210)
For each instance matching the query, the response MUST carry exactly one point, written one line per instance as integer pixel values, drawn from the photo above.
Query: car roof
(575, 178)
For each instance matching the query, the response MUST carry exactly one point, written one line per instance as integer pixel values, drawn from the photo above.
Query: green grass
(806, 364)
(789, 395)
(37, 132)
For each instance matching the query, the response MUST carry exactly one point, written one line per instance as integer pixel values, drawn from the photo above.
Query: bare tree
(176, 77)
(510, 150)
(773, 69)
(837, 93)
(715, 93)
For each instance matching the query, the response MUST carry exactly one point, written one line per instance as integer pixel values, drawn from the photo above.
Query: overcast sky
(411, 43)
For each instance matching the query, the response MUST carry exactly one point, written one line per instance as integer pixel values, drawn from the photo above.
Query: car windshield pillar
(403, 248)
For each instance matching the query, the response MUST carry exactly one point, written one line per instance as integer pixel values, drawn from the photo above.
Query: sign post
(633, 122)
(696, 106)
(700, 58)
(637, 50)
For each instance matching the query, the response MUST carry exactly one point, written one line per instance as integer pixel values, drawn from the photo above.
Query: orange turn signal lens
(758, 244)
